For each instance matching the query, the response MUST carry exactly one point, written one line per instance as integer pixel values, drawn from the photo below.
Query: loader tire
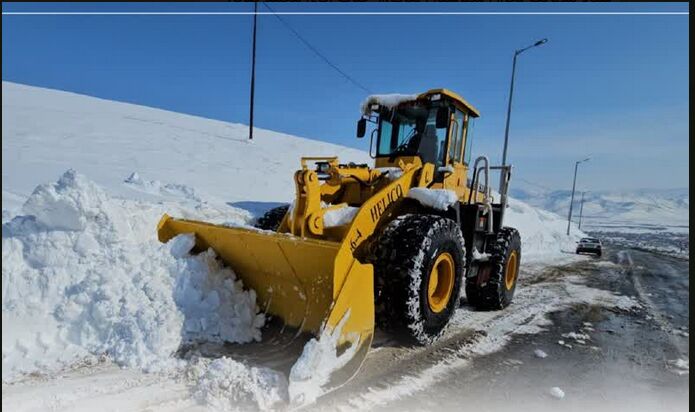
(419, 266)
(498, 291)
(271, 219)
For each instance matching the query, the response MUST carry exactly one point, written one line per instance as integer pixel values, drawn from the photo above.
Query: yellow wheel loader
(392, 244)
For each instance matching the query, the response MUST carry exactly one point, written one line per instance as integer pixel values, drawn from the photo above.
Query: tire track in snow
(476, 334)
(479, 333)
(105, 388)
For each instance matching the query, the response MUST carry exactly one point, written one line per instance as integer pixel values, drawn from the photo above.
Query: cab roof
(458, 100)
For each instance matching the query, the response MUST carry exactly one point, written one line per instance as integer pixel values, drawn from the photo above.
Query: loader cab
(433, 126)
(412, 130)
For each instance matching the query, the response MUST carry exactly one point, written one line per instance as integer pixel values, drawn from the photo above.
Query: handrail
(371, 143)
(476, 177)
(506, 176)
(474, 188)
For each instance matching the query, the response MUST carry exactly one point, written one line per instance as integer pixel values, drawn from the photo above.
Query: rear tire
(419, 267)
(498, 291)
(271, 219)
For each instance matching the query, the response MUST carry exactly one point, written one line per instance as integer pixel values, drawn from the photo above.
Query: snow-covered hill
(45, 132)
(83, 274)
(626, 211)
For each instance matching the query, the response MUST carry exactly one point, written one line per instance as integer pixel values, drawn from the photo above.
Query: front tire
(419, 267)
(497, 291)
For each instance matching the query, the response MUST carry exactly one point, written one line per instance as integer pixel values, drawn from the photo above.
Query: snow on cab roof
(394, 99)
(389, 100)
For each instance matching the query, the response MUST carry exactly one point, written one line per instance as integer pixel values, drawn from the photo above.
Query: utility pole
(574, 184)
(509, 105)
(581, 209)
(253, 69)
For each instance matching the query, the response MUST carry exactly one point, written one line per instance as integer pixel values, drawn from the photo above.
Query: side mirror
(442, 118)
(361, 127)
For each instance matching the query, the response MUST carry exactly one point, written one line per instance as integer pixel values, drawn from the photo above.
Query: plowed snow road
(625, 347)
(628, 360)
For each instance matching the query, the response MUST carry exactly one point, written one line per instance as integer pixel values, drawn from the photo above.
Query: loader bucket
(315, 286)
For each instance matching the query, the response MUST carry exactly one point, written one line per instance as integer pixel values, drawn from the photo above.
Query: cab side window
(457, 136)
(469, 138)
(433, 144)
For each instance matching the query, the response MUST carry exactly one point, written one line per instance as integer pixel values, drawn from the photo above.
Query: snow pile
(227, 385)
(388, 100)
(578, 337)
(477, 255)
(680, 366)
(314, 367)
(543, 233)
(215, 305)
(540, 354)
(339, 217)
(556, 392)
(439, 199)
(83, 275)
(391, 173)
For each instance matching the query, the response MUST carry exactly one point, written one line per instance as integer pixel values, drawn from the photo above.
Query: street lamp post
(574, 184)
(509, 108)
(253, 70)
(581, 209)
(511, 92)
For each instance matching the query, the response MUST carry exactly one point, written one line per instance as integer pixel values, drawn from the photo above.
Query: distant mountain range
(660, 209)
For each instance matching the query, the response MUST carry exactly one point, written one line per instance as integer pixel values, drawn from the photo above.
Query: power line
(318, 53)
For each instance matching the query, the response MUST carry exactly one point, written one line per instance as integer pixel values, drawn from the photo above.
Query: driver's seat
(429, 147)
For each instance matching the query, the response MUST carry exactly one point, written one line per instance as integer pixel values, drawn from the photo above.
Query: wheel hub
(441, 282)
(511, 270)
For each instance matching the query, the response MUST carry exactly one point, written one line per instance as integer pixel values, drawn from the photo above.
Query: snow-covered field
(84, 279)
(47, 132)
(656, 219)
(636, 211)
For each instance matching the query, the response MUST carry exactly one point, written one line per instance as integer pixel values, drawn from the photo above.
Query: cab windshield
(410, 130)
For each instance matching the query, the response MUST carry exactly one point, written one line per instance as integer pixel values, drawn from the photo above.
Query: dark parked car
(589, 245)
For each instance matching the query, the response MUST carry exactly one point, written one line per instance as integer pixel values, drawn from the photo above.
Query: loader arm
(354, 292)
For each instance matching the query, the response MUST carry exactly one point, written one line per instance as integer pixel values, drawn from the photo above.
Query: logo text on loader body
(378, 209)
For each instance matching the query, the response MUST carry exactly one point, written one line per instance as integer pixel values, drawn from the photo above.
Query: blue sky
(611, 86)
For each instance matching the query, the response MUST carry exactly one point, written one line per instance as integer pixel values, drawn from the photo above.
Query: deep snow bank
(543, 233)
(83, 275)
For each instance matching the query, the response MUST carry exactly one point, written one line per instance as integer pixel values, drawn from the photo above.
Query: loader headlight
(375, 107)
(435, 97)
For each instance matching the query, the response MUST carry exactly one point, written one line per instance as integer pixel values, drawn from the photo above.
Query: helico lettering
(391, 196)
